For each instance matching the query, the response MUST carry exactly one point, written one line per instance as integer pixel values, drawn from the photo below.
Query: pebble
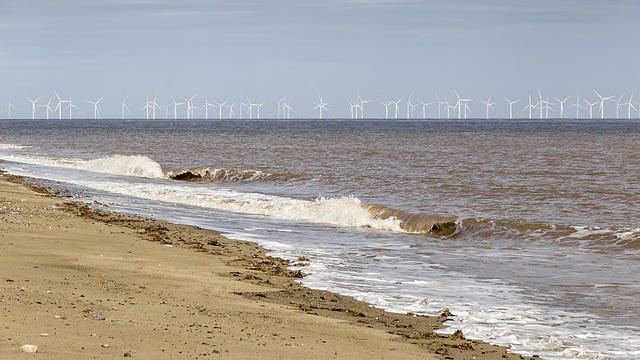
(105, 345)
(98, 317)
(29, 348)
(127, 354)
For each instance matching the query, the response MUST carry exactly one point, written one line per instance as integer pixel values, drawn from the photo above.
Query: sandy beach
(79, 282)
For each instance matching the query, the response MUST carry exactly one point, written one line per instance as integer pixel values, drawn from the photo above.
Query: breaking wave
(212, 174)
(138, 165)
(415, 223)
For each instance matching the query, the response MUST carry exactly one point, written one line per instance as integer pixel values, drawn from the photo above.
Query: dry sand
(84, 283)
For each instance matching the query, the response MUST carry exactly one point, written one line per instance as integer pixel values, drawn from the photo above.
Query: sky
(382, 50)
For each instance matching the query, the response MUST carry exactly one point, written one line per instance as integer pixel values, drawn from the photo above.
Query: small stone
(98, 317)
(29, 348)
(43, 334)
(127, 354)
(58, 317)
(216, 351)
(105, 345)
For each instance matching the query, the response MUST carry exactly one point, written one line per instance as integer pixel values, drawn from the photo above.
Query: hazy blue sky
(381, 49)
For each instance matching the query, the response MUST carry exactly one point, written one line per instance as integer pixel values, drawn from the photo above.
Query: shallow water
(526, 229)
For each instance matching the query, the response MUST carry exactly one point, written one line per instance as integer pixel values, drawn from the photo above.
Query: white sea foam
(12, 146)
(139, 165)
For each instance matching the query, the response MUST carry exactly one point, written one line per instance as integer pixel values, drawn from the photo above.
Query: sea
(528, 231)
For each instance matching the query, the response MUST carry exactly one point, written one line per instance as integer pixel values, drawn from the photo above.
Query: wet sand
(80, 282)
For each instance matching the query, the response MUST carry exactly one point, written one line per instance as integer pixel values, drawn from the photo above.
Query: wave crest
(212, 174)
(415, 223)
(138, 165)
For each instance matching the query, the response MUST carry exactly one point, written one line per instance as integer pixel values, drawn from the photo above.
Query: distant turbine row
(356, 107)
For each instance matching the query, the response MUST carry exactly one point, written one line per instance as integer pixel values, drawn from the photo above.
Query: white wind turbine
(231, 109)
(96, 107)
(630, 105)
(446, 103)
(547, 108)
(530, 107)
(448, 107)
(602, 100)
(424, 108)
(189, 105)
(386, 109)
(352, 106)
(562, 105)
(71, 107)
(397, 109)
(511, 106)
(220, 108)
(47, 108)
(249, 106)
(259, 106)
(578, 106)
(146, 107)
(362, 102)
(59, 106)
(124, 105)
(321, 106)
(409, 105)
(459, 105)
(591, 108)
(488, 104)
(9, 106)
(288, 109)
(175, 108)
(618, 107)
(206, 105)
(33, 107)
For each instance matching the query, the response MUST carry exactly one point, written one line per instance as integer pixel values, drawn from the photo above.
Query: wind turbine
(446, 103)
(362, 102)
(488, 103)
(288, 109)
(175, 108)
(220, 108)
(409, 104)
(386, 109)
(630, 105)
(33, 107)
(547, 108)
(591, 108)
(448, 108)
(530, 107)
(424, 108)
(511, 106)
(146, 107)
(618, 108)
(259, 106)
(395, 103)
(562, 104)
(9, 106)
(351, 109)
(124, 105)
(321, 106)
(231, 109)
(154, 106)
(71, 107)
(459, 105)
(189, 105)
(602, 100)
(48, 108)
(206, 105)
(578, 107)
(59, 106)
(96, 107)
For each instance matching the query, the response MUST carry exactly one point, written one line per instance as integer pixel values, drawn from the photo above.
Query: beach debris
(98, 317)
(29, 348)
(105, 345)
(44, 334)
(458, 335)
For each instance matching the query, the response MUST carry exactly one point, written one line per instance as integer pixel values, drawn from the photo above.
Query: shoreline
(171, 290)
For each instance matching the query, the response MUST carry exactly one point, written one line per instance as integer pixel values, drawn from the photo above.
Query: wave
(12, 146)
(415, 223)
(212, 174)
(138, 165)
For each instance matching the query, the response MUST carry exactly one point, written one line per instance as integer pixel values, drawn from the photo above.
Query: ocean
(527, 230)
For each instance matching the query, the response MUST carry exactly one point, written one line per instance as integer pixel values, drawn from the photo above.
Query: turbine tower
(362, 102)
(630, 105)
(47, 108)
(489, 104)
(386, 108)
(96, 107)
(124, 105)
(578, 106)
(602, 100)
(220, 108)
(33, 107)
(9, 106)
(530, 107)
(591, 108)
(618, 107)
(511, 106)
(71, 107)
(562, 104)
(459, 105)
(397, 109)
(321, 106)
(424, 108)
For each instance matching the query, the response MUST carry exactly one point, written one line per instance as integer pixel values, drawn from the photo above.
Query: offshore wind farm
(542, 108)
(472, 161)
